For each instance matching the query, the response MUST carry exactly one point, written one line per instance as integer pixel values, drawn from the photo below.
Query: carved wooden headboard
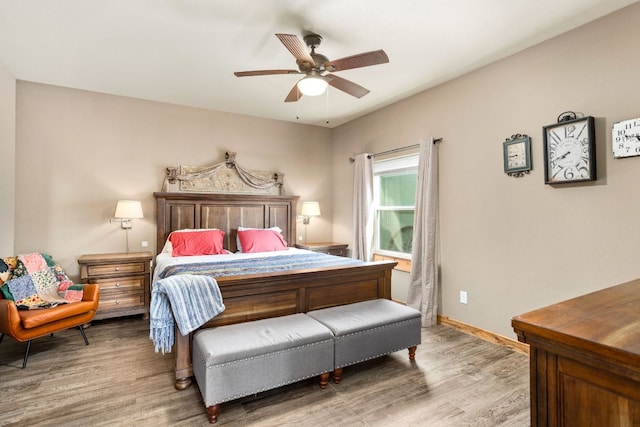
(175, 211)
(223, 177)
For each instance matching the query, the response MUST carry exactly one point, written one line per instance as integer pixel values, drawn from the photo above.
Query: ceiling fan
(317, 68)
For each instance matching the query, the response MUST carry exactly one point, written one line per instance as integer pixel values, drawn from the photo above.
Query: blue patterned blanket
(260, 265)
(190, 300)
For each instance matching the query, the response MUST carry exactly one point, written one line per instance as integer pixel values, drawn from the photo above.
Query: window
(394, 202)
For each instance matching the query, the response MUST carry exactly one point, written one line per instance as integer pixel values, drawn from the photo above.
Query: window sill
(404, 264)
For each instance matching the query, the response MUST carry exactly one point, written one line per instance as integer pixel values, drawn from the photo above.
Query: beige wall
(7, 168)
(518, 244)
(78, 152)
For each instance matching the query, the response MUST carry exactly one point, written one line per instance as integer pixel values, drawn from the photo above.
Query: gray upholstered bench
(238, 360)
(369, 329)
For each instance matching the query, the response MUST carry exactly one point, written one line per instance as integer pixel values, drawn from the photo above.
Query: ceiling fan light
(312, 85)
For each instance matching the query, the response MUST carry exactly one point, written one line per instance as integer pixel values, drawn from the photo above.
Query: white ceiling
(185, 51)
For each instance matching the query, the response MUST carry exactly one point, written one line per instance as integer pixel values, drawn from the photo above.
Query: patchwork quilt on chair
(35, 281)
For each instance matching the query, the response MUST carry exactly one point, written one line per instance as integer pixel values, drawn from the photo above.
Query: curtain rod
(395, 150)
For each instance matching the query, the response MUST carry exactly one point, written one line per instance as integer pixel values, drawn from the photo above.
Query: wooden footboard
(253, 297)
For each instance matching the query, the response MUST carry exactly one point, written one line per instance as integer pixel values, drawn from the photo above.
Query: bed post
(183, 367)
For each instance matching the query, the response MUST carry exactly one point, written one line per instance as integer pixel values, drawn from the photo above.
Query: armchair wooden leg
(86, 341)
(26, 354)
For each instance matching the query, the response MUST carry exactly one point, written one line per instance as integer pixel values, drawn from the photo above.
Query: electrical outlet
(300, 238)
(463, 297)
(145, 244)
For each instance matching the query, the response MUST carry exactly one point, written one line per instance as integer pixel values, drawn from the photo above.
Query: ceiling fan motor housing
(313, 40)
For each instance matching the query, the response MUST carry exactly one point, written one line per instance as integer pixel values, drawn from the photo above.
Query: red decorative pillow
(205, 242)
(261, 240)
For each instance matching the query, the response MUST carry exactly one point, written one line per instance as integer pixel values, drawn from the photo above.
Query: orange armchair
(25, 325)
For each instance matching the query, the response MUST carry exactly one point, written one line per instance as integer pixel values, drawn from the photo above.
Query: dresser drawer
(124, 284)
(119, 268)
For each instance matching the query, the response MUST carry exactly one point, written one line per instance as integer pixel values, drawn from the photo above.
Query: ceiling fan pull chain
(298, 104)
(327, 91)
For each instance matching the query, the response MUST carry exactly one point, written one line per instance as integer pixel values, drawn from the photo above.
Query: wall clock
(569, 150)
(516, 152)
(625, 138)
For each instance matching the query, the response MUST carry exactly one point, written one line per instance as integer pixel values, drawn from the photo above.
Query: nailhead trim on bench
(337, 338)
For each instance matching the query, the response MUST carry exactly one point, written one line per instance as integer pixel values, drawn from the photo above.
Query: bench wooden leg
(412, 352)
(324, 380)
(212, 413)
(337, 375)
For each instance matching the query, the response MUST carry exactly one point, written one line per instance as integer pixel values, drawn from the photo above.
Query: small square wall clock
(625, 138)
(517, 155)
(569, 151)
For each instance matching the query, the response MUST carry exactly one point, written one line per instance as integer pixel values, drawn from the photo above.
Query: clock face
(517, 154)
(625, 138)
(570, 151)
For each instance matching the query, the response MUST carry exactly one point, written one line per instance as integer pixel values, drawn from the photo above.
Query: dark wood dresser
(585, 359)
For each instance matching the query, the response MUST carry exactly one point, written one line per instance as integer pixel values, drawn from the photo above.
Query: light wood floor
(118, 380)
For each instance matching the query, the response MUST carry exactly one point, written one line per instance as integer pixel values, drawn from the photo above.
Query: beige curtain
(423, 287)
(363, 207)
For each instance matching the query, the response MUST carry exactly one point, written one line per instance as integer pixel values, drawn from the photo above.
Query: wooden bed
(254, 296)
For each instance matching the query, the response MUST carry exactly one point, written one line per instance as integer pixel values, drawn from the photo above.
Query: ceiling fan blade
(357, 61)
(297, 48)
(347, 86)
(264, 72)
(294, 94)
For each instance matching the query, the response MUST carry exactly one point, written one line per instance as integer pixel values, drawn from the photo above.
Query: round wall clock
(625, 138)
(569, 151)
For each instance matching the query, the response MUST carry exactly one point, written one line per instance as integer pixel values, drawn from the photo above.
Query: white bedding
(163, 260)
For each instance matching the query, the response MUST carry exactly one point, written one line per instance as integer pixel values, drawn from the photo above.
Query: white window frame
(382, 167)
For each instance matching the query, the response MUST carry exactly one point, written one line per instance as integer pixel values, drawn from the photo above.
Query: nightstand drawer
(115, 301)
(123, 283)
(338, 252)
(119, 268)
(330, 248)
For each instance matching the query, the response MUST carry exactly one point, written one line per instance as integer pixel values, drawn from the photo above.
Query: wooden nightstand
(124, 281)
(331, 248)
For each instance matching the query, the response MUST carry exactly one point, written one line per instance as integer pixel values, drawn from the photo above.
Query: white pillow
(239, 246)
(168, 248)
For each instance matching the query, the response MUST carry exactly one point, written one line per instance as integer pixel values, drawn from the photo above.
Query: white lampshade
(312, 85)
(310, 209)
(128, 209)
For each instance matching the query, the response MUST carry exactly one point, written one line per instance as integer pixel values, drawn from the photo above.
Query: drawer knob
(117, 285)
(117, 268)
(117, 301)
